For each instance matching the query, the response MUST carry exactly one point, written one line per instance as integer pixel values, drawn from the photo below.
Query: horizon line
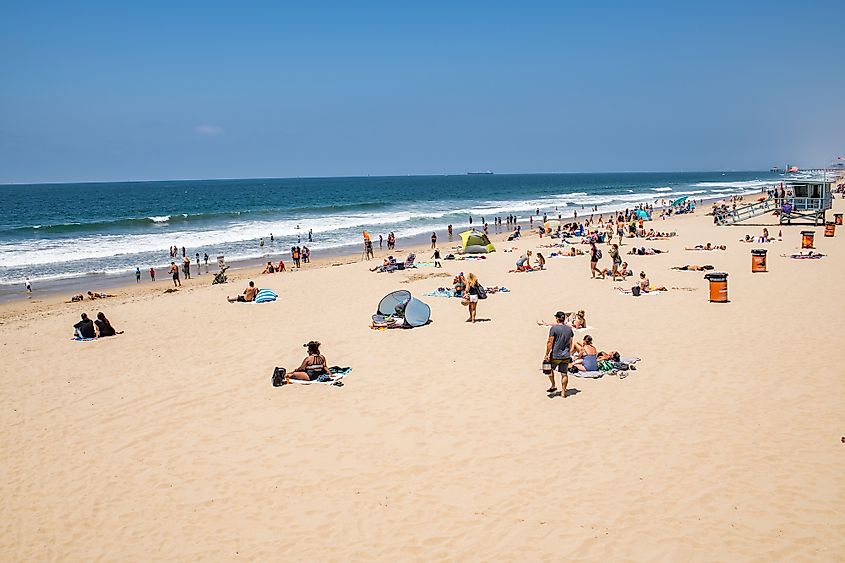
(356, 176)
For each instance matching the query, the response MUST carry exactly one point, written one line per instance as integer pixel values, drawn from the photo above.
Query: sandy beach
(169, 443)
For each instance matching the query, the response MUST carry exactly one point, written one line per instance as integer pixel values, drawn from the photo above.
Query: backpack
(482, 291)
(598, 254)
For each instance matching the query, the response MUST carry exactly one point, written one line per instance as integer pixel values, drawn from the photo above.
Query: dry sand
(169, 443)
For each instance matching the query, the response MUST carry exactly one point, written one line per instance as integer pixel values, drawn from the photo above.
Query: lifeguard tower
(805, 202)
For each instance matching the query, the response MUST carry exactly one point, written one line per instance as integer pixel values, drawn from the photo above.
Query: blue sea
(59, 231)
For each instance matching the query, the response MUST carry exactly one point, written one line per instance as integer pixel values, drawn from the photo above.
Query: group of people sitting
(764, 238)
(86, 328)
(271, 269)
(91, 295)
(523, 263)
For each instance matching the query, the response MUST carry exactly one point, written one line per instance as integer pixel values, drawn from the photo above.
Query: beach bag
(598, 254)
(635, 291)
(482, 291)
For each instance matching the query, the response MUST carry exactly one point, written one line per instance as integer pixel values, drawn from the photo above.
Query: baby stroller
(220, 277)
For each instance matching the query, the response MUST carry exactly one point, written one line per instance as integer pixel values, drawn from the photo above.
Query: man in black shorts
(559, 349)
(174, 271)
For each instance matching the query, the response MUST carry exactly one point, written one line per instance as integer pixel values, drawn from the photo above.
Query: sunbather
(312, 367)
(646, 287)
(708, 246)
(692, 268)
(588, 355)
(104, 327)
(95, 295)
(248, 295)
(643, 251)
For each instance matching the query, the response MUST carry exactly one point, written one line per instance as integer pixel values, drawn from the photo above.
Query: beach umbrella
(680, 200)
(551, 225)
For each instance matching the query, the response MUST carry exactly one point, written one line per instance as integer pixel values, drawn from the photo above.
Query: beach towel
(598, 374)
(814, 256)
(80, 339)
(623, 291)
(337, 373)
(441, 292)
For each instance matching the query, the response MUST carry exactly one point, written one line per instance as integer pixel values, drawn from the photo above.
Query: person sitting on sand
(692, 268)
(541, 262)
(281, 266)
(524, 262)
(248, 295)
(104, 327)
(76, 298)
(588, 355)
(84, 328)
(459, 284)
(577, 320)
(269, 269)
(312, 367)
(645, 285)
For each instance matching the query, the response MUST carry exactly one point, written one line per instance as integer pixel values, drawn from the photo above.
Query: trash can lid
(759, 252)
(716, 276)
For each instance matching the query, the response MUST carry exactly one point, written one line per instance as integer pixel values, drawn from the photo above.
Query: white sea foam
(160, 218)
(664, 189)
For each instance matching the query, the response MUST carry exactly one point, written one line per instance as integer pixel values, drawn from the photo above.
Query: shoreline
(115, 283)
(242, 271)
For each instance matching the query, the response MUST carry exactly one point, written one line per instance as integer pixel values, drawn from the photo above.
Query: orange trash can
(807, 239)
(829, 229)
(758, 260)
(718, 286)
(837, 218)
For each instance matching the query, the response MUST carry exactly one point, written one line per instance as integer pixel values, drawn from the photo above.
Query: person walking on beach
(205, 256)
(617, 262)
(433, 240)
(450, 231)
(186, 267)
(311, 235)
(174, 272)
(28, 285)
(436, 257)
(199, 270)
(380, 240)
(137, 274)
(471, 296)
(152, 274)
(559, 348)
(595, 256)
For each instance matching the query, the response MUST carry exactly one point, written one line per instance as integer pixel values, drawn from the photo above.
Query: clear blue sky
(155, 90)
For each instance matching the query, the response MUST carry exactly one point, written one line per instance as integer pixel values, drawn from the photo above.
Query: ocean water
(59, 231)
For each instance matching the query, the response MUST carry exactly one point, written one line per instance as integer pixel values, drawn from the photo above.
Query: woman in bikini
(310, 369)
